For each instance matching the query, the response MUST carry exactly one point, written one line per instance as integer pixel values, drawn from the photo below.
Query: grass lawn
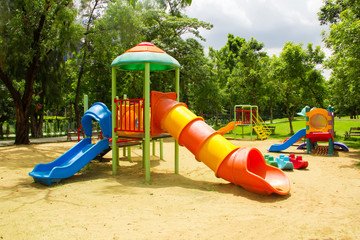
(282, 130)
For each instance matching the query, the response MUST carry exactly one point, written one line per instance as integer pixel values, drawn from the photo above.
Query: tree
(91, 10)
(270, 71)
(173, 7)
(116, 31)
(330, 12)
(47, 90)
(202, 90)
(343, 38)
(243, 59)
(6, 108)
(166, 32)
(29, 31)
(300, 82)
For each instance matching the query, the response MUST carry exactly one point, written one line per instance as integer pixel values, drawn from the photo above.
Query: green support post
(146, 156)
(115, 148)
(86, 103)
(153, 147)
(309, 145)
(161, 149)
(235, 122)
(251, 122)
(86, 107)
(124, 148)
(177, 90)
(331, 147)
(143, 154)
(129, 153)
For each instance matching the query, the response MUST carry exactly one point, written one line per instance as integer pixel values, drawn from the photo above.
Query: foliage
(343, 17)
(6, 107)
(29, 32)
(121, 28)
(298, 81)
(173, 7)
(237, 68)
(112, 34)
(52, 54)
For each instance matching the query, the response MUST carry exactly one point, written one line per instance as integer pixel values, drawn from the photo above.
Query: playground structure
(319, 128)
(248, 115)
(134, 121)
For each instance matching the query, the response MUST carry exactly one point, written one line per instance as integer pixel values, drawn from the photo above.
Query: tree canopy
(343, 17)
(53, 52)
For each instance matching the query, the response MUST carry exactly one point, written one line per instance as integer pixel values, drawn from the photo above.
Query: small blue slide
(294, 138)
(337, 144)
(81, 154)
(342, 146)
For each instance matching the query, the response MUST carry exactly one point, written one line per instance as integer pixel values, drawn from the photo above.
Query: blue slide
(294, 138)
(342, 146)
(82, 153)
(337, 144)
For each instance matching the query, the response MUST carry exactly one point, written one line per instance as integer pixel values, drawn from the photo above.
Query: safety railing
(129, 115)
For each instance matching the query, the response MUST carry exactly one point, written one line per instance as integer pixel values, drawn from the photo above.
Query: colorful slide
(294, 138)
(245, 167)
(229, 127)
(81, 154)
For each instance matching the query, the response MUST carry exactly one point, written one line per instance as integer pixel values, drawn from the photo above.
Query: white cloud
(273, 51)
(273, 22)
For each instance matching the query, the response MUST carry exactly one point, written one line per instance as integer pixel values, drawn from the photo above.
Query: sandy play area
(324, 201)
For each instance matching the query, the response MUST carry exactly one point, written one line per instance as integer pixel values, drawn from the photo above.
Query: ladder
(260, 127)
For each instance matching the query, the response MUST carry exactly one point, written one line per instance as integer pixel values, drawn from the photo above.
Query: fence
(55, 127)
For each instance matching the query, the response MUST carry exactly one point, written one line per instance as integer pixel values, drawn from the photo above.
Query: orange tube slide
(245, 167)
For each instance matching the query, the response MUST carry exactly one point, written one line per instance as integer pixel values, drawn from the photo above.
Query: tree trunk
(22, 126)
(22, 103)
(1, 130)
(37, 118)
(290, 121)
(288, 114)
(82, 66)
(37, 121)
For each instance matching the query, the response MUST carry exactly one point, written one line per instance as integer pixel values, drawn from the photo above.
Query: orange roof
(145, 47)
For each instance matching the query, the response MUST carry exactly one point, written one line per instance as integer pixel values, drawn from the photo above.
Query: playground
(94, 204)
(141, 180)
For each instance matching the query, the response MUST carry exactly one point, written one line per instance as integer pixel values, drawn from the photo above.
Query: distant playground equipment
(281, 162)
(298, 162)
(248, 116)
(134, 120)
(286, 162)
(319, 128)
(270, 160)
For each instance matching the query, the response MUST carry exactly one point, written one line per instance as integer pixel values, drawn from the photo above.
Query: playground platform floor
(324, 202)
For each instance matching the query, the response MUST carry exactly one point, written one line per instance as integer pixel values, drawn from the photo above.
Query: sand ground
(324, 202)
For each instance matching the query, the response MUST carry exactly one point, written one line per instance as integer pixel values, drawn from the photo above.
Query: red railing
(78, 132)
(129, 115)
(243, 116)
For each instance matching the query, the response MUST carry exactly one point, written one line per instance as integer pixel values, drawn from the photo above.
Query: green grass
(282, 130)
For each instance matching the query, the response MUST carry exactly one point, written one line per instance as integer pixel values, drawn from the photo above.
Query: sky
(272, 22)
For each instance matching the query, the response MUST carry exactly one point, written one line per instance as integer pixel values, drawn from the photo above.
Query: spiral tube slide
(245, 167)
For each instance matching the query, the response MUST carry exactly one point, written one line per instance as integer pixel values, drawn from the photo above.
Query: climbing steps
(260, 128)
